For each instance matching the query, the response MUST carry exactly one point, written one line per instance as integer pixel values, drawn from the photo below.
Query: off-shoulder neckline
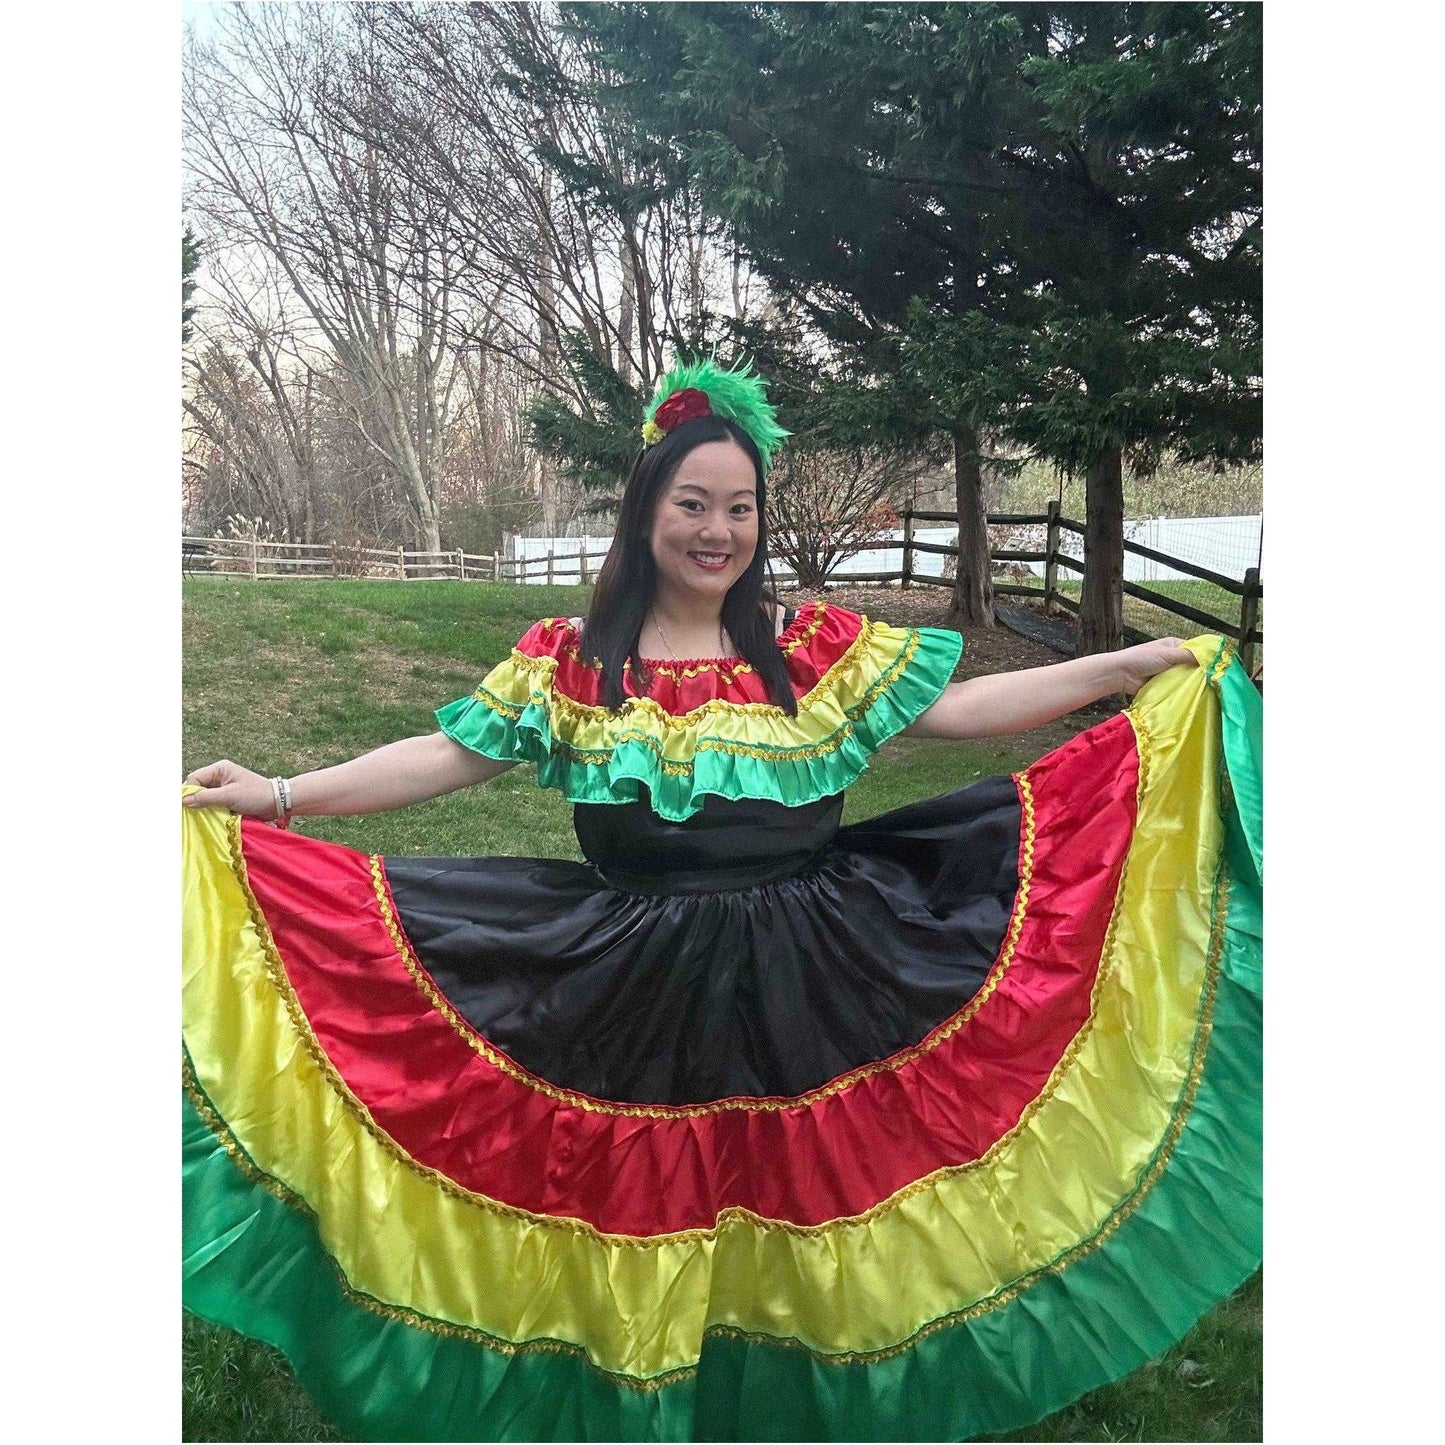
(798, 619)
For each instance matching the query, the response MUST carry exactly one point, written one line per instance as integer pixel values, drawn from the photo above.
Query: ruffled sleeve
(708, 728)
(507, 717)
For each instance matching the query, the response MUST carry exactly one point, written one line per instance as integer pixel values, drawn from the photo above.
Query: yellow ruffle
(1081, 1158)
(885, 679)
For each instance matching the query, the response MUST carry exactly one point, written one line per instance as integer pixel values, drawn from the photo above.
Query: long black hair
(627, 582)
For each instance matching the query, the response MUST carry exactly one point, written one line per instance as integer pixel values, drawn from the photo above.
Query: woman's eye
(742, 510)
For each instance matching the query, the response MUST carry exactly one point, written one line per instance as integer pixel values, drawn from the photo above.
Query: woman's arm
(395, 776)
(1014, 702)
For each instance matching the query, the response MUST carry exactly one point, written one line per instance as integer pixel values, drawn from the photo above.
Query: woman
(754, 1126)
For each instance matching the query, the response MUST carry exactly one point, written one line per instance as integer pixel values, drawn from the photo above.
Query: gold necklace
(672, 651)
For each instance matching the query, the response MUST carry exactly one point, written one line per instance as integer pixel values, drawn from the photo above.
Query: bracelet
(281, 794)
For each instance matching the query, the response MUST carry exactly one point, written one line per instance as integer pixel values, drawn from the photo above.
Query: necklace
(671, 651)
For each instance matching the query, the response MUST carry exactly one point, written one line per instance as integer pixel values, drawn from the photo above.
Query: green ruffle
(780, 763)
(254, 1262)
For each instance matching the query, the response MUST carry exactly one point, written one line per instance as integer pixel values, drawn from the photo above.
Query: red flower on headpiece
(682, 406)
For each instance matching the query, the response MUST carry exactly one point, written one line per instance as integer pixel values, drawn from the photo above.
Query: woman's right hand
(229, 785)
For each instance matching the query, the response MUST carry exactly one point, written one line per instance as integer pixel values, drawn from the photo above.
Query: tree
(1141, 206)
(850, 175)
(1032, 219)
(827, 506)
(279, 165)
(190, 261)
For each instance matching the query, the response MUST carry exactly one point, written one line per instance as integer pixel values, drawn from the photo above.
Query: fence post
(1249, 617)
(401, 561)
(496, 569)
(1051, 552)
(461, 566)
(255, 558)
(907, 579)
(550, 556)
(585, 563)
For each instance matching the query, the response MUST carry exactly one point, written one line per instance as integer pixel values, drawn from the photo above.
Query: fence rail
(258, 558)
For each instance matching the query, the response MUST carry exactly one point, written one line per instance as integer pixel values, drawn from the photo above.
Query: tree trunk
(972, 584)
(429, 528)
(548, 350)
(1101, 607)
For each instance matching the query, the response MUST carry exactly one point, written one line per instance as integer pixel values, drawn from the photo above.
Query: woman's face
(705, 528)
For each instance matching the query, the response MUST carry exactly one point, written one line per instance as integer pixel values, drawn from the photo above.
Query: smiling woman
(683, 581)
(754, 1125)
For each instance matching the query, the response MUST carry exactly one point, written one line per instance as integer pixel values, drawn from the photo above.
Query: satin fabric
(860, 683)
(814, 639)
(728, 844)
(456, 1104)
(939, 1246)
(1161, 1255)
(695, 992)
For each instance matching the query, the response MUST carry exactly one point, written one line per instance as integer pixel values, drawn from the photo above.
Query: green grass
(1159, 621)
(1156, 621)
(287, 675)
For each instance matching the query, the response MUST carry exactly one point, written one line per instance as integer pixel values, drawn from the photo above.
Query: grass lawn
(1158, 621)
(288, 675)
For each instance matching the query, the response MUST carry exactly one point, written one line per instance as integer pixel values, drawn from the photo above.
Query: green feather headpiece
(735, 394)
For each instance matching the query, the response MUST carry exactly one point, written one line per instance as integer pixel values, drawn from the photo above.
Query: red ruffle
(823, 634)
(457, 1112)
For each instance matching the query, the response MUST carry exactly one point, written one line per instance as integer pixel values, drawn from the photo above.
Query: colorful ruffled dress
(752, 1126)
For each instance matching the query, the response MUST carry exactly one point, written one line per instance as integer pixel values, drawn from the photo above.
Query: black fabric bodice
(728, 844)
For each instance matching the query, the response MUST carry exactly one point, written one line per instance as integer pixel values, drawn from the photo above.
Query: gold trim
(281, 982)
(248, 1167)
(891, 1064)
(1184, 1105)
(1007, 1295)
(660, 667)
(1150, 1176)
(729, 668)
(826, 684)
(600, 757)
(1228, 647)
(820, 611)
(547, 692)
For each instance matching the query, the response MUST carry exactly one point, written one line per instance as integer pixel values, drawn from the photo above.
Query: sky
(200, 17)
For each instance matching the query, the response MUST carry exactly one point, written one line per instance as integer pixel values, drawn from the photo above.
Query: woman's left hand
(1138, 664)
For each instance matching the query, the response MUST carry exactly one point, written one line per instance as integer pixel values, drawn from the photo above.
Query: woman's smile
(711, 561)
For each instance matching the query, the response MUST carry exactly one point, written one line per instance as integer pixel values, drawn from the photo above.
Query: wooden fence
(252, 557)
(1250, 590)
(257, 558)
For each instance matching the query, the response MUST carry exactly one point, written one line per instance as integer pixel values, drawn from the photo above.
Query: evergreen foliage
(190, 261)
(1030, 219)
(596, 445)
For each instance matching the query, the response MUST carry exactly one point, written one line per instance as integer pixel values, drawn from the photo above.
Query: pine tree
(1040, 219)
(190, 261)
(1140, 227)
